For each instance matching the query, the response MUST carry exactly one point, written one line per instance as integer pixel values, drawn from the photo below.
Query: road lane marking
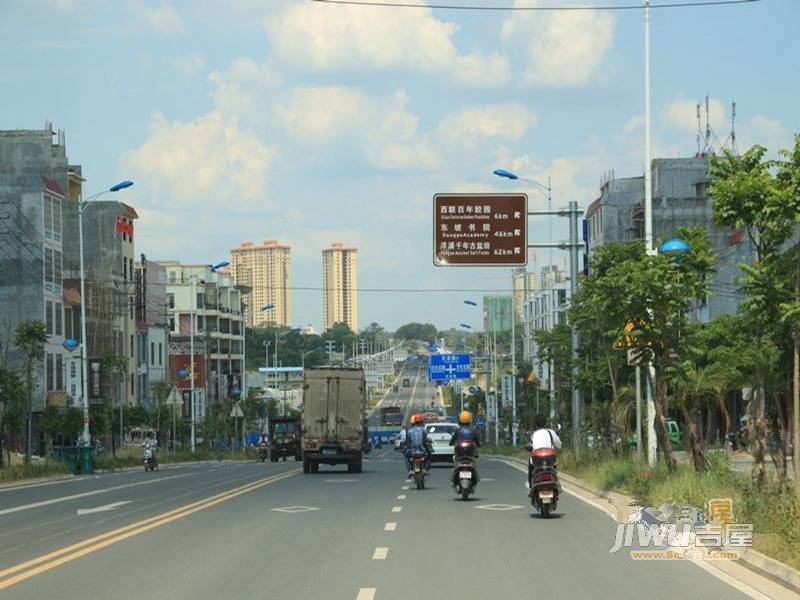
(8, 511)
(390, 526)
(295, 509)
(397, 509)
(107, 507)
(25, 570)
(405, 487)
(366, 594)
(380, 553)
(401, 497)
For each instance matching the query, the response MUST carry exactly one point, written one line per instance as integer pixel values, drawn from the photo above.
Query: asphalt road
(268, 531)
(415, 397)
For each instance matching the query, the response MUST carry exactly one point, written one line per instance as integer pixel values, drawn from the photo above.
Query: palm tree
(30, 337)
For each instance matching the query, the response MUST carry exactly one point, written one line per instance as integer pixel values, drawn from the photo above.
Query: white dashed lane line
(380, 553)
(397, 509)
(366, 594)
(390, 526)
(401, 497)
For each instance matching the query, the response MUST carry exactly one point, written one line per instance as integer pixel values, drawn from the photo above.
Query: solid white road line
(397, 509)
(14, 509)
(390, 526)
(107, 507)
(366, 594)
(401, 497)
(380, 553)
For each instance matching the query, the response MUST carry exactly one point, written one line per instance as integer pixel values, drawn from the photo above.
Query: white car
(439, 434)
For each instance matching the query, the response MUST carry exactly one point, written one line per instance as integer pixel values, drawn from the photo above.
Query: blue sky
(308, 123)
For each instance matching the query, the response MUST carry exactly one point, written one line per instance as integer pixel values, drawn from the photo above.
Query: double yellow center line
(18, 573)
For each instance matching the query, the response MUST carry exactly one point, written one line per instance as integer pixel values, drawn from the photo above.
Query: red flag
(124, 227)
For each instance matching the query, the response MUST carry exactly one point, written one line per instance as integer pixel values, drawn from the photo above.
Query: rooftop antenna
(708, 128)
(699, 132)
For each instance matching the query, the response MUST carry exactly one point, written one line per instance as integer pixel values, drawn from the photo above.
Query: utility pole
(573, 290)
(513, 370)
(192, 302)
(330, 344)
(638, 412)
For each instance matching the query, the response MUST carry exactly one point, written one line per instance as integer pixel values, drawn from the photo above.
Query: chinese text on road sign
(480, 230)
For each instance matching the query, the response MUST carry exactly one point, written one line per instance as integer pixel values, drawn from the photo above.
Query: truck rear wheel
(306, 465)
(355, 466)
(314, 466)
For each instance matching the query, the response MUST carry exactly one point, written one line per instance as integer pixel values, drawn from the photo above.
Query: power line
(531, 8)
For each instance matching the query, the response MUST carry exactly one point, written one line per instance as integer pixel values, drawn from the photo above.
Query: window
(132, 345)
(48, 266)
(68, 323)
(171, 300)
(59, 372)
(133, 386)
(172, 277)
(56, 218)
(200, 299)
(125, 267)
(160, 355)
(57, 268)
(152, 353)
(48, 213)
(130, 268)
(48, 317)
(132, 305)
(59, 318)
(49, 370)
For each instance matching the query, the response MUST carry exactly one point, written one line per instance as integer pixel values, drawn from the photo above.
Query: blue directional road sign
(473, 389)
(446, 367)
(480, 422)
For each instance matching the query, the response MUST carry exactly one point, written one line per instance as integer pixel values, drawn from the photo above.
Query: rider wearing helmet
(465, 431)
(417, 441)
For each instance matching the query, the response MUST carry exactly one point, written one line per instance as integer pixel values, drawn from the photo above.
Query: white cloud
(311, 35)
(242, 89)
(188, 66)
(767, 132)
(682, 115)
(478, 124)
(562, 48)
(207, 162)
(382, 129)
(633, 124)
(163, 19)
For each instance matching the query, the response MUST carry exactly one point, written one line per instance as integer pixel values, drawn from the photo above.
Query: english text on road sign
(444, 367)
(480, 230)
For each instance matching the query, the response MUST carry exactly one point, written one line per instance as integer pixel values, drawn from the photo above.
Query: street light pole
(513, 370)
(192, 303)
(82, 204)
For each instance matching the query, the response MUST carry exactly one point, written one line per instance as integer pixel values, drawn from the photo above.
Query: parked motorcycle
(543, 481)
(149, 459)
(464, 477)
(418, 469)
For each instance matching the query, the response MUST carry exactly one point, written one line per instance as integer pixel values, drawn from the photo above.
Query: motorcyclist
(417, 441)
(263, 446)
(465, 431)
(542, 437)
(151, 443)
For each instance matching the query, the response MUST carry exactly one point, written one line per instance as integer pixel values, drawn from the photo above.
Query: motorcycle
(543, 481)
(149, 459)
(262, 453)
(418, 469)
(464, 478)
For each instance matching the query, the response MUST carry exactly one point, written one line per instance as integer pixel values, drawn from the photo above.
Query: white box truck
(334, 405)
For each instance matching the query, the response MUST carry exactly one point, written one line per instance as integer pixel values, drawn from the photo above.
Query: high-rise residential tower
(265, 269)
(340, 286)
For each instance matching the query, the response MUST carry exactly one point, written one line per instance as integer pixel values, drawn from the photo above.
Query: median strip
(25, 570)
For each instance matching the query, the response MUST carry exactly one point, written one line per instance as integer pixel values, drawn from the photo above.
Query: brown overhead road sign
(480, 230)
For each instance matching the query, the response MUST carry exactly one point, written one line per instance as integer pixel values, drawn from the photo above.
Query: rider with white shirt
(542, 437)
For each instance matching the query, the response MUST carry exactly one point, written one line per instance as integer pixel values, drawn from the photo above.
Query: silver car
(439, 434)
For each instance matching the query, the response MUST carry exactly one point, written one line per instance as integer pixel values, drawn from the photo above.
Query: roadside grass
(35, 470)
(774, 513)
(132, 457)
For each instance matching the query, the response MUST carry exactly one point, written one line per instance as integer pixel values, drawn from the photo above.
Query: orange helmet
(416, 419)
(465, 417)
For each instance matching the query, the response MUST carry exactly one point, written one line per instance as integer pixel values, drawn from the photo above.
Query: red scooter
(543, 480)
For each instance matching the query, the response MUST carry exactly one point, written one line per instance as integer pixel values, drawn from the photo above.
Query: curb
(612, 502)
